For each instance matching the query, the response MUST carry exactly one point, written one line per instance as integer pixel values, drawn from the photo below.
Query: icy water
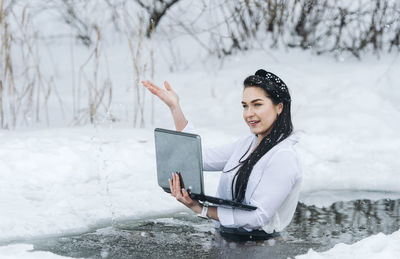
(183, 235)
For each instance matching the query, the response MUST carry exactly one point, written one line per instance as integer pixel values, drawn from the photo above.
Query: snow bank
(66, 180)
(376, 246)
(24, 251)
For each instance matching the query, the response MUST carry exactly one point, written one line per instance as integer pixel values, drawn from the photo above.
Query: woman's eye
(257, 104)
(244, 106)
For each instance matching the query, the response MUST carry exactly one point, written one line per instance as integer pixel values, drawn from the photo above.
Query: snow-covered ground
(63, 180)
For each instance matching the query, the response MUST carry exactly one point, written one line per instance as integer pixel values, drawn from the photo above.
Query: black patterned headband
(271, 83)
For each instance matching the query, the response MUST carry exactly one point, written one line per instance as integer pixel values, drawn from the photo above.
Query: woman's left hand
(182, 195)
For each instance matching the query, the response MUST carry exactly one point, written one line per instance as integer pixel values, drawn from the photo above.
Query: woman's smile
(253, 123)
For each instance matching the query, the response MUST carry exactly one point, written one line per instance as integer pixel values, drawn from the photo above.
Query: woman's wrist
(197, 208)
(178, 116)
(174, 107)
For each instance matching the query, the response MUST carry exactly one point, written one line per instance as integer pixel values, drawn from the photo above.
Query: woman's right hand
(168, 96)
(171, 99)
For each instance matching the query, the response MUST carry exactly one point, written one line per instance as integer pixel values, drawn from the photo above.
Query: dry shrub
(24, 90)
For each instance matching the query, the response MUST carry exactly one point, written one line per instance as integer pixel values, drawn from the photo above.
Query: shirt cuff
(225, 216)
(189, 128)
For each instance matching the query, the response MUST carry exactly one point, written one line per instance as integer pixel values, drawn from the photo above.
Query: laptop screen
(179, 152)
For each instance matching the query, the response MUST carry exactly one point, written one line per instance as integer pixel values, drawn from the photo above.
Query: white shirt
(273, 186)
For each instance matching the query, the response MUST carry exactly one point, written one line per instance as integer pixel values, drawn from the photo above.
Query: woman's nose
(249, 112)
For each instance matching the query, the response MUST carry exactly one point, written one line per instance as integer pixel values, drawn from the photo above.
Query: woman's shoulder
(288, 144)
(248, 139)
(243, 140)
(247, 142)
(284, 150)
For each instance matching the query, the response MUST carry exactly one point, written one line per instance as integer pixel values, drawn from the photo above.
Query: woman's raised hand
(171, 99)
(168, 96)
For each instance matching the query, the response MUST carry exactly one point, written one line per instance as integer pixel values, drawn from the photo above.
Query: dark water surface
(184, 235)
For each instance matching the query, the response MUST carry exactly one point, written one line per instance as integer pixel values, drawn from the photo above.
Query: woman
(261, 170)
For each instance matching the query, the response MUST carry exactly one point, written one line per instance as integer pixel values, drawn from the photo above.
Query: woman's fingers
(167, 95)
(177, 185)
(179, 193)
(186, 199)
(186, 195)
(149, 85)
(167, 86)
(178, 190)
(171, 187)
(170, 90)
(146, 83)
(152, 87)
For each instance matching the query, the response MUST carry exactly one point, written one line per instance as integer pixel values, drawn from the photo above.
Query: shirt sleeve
(189, 128)
(214, 159)
(277, 180)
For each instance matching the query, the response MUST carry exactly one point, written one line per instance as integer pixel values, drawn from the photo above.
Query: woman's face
(259, 112)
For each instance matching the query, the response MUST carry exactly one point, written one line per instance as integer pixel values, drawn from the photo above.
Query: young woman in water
(261, 169)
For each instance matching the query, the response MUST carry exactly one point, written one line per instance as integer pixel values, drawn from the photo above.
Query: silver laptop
(180, 152)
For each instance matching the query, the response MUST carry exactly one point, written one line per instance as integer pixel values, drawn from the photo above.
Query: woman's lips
(253, 123)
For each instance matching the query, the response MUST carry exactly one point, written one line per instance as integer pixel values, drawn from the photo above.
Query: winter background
(76, 144)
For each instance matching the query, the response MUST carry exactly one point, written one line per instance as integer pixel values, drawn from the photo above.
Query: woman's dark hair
(278, 92)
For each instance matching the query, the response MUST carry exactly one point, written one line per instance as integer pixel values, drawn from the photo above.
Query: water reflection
(185, 235)
(345, 221)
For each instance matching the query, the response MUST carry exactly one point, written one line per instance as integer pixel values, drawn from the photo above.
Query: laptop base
(221, 202)
(218, 201)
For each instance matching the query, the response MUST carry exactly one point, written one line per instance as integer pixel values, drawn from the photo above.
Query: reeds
(24, 89)
(99, 95)
(135, 38)
(7, 83)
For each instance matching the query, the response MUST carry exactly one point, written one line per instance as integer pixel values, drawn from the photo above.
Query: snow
(58, 180)
(76, 177)
(376, 247)
(68, 180)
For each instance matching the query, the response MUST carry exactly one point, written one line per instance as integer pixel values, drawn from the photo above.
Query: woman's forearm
(212, 213)
(179, 118)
